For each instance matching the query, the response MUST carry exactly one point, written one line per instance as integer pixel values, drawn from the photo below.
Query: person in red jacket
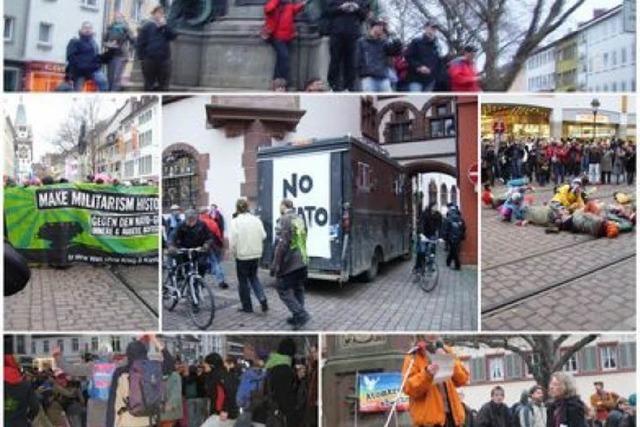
(462, 72)
(280, 25)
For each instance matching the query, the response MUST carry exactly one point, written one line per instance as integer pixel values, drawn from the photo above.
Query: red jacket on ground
(463, 76)
(279, 19)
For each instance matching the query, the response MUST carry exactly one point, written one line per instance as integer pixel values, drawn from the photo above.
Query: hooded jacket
(279, 18)
(281, 380)
(425, 400)
(83, 56)
(290, 253)
(569, 411)
(463, 76)
(372, 57)
(20, 401)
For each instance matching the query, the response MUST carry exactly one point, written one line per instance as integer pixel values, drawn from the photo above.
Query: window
(588, 360)
(34, 349)
(433, 193)
(95, 344)
(145, 165)
(115, 345)
(136, 10)
(145, 117)
(608, 358)
(91, 4)
(45, 33)
(623, 56)
(11, 79)
(60, 345)
(534, 359)
(605, 59)
(513, 366)
(614, 58)
(627, 353)
(129, 168)
(614, 87)
(572, 364)
(496, 368)
(623, 86)
(146, 138)
(20, 348)
(436, 128)
(180, 179)
(478, 370)
(364, 177)
(9, 27)
(45, 346)
(75, 345)
(444, 194)
(442, 110)
(454, 194)
(117, 7)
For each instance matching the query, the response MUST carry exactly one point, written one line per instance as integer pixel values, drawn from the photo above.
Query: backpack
(147, 390)
(101, 377)
(172, 409)
(456, 229)
(514, 413)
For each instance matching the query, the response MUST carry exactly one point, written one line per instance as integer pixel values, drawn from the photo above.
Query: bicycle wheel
(202, 308)
(169, 294)
(430, 277)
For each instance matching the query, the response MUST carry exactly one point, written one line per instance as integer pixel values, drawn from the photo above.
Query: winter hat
(136, 350)
(287, 347)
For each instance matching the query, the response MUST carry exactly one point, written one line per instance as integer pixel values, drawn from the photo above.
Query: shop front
(581, 124)
(43, 76)
(518, 121)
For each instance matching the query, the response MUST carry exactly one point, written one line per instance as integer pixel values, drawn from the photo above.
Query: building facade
(541, 70)
(36, 35)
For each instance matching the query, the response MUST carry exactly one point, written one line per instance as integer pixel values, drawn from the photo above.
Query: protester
(84, 60)
(154, 50)
(290, 261)
(427, 399)
(215, 388)
(373, 61)
(216, 249)
(192, 234)
(565, 409)
(21, 404)
(429, 226)
(533, 412)
(462, 72)
(603, 401)
(469, 414)
(247, 237)
(495, 413)
(279, 23)
(424, 59)
(346, 17)
(118, 39)
(453, 233)
(280, 381)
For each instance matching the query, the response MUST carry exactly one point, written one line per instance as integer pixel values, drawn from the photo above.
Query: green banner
(93, 223)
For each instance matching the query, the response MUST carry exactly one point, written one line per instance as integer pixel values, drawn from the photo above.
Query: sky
(45, 112)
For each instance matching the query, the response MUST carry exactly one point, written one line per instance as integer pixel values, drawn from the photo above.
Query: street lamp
(595, 104)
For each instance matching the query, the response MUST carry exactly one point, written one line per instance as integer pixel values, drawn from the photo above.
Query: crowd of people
(245, 237)
(557, 404)
(101, 179)
(550, 160)
(365, 55)
(121, 390)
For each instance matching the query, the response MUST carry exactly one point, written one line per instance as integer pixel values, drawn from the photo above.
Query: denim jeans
(594, 173)
(115, 68)
(375, 84)
(291, 292)
(421, 87)
(98, 77)
(281, 70)
(558, 172)
(247, 271)
(216, 267)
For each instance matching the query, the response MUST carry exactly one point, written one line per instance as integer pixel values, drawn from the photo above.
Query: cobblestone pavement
(537, 281)
(82, 298)
(390, 303)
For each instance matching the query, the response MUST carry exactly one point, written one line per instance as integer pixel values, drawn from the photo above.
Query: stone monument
(219, 46)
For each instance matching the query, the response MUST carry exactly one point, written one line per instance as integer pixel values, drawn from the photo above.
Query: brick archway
(202, 161)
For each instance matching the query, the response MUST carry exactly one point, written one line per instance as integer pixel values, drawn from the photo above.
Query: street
(391, 303)
(85, 297)
(537, 281)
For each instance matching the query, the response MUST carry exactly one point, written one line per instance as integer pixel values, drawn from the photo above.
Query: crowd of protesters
(101, 179)
(105, 390)
(550, 160)
(243, 240)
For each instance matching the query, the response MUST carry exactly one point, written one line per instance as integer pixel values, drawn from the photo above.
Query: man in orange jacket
(433, 404)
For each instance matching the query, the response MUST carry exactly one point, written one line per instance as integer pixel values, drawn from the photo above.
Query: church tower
(23, 144)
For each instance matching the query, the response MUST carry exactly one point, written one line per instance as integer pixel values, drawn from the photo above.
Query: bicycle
(426, 275)
(183, 281)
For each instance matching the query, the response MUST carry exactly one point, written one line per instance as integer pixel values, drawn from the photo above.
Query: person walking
(430, 224)
(247, 237)
(154, 50)
(566, 409)
(606, 165)
(619, 161)
(630, 164)
(425, 62)
(84, 60)
(290, 261)
(453, 232)
(216, 249)
(281, 30)
(373, 61)
(117, 39)
(346, 17)
(595, 155)
(495, 413)
(462, 72)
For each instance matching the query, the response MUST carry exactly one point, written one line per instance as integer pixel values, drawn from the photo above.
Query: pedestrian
(280, 378)
(21, 404)
(602, 401)
(215, 390)
(373, 60)
(118, 40)
(247, 237)
(606, 165)
(346, 17)
(216, 249)
(462, 72)
(290, 261)
(425, 61)
(533, 412)
(251, 382)
(566, 409)
(495, 413)
(427, 399)
(429, 226)
(84, 60)
(595, 155)
(154, 50)
(453, 232)
(280, 31)
(619, 162)
(630, 164)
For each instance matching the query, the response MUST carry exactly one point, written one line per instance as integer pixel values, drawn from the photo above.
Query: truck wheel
(372, 272)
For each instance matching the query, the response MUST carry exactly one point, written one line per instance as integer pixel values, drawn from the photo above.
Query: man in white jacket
(247, 237)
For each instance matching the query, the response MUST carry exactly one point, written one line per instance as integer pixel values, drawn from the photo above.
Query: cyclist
(190, 234)
(429, 225)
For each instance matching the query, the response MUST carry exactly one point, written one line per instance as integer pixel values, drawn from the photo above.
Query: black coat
(570, 410)
(83, 57)
(282, 382)
(422, 51)
(20, 404)
(155, 42)
(192, 237)
(492, 415)
(346, 23)
(372, 58)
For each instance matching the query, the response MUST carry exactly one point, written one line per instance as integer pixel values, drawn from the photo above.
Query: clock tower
(23, 144)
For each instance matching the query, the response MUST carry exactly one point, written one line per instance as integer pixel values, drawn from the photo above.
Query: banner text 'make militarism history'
(55, 198)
